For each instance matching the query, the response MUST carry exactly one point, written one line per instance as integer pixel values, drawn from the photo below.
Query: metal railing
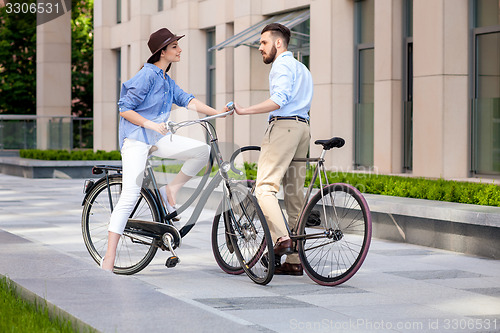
(51, 132)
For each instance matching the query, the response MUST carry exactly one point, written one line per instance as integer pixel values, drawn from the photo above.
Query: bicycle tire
(134, 251)
(249, 234)
(221, 245)
(343, 237)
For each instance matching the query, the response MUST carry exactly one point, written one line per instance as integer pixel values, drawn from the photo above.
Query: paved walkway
(400, 288)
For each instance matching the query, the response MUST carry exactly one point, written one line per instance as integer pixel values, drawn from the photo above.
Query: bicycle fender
(92, 186)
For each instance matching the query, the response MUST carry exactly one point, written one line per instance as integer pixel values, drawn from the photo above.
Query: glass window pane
(487, 105)
(364, 109)
(487, 13)
(488, 66)
(366, 76)
(366, 21)
(409, 18)
(211, 68)
(118, 11)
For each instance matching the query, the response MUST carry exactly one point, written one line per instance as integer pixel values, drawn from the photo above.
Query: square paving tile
(436, 274)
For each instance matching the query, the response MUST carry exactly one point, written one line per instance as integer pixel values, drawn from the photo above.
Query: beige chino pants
(283, 141)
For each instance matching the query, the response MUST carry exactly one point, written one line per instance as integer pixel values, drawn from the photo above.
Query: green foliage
(17, 61)
(64, 155)
(82, 57)
(17, 315)
(419, 188)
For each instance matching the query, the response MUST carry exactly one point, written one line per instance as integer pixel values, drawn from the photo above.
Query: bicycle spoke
(333, 256)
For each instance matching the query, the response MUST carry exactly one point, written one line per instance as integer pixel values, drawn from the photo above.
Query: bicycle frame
(203, 191)
(320, 171)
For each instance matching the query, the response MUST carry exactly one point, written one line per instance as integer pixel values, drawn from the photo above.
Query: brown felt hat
(159, 39)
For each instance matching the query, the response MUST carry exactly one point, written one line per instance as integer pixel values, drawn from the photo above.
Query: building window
(118, 11)
(300, 42)
(211, 68)
(408, 85)
(485, 90)
(298, 22)
(160, 5)
(364, 83)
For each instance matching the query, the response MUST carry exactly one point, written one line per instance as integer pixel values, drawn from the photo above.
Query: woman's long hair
(156, 58)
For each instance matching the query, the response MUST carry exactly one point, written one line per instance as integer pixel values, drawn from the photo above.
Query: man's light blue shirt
(291, 87)
(151, 94)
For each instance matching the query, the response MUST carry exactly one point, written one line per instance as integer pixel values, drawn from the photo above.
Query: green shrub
(419, 188)
(74, 155)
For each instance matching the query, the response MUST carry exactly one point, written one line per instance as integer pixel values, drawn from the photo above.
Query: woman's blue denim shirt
(151, 95)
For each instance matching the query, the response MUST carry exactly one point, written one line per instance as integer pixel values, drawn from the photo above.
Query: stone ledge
(436, 210)
(30, 168)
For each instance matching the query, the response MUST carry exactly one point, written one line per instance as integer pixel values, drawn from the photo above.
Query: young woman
(145, 104)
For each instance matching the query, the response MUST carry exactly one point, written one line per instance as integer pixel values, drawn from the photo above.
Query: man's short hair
(278, 30)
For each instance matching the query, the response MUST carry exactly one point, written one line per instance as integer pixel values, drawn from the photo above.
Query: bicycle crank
(168, 240)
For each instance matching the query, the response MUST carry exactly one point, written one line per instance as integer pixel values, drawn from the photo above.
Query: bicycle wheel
(134, 251)
(221, 245)
(334, 234)
(249, 234)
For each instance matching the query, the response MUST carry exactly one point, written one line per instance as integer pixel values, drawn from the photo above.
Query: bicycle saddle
(334, 142)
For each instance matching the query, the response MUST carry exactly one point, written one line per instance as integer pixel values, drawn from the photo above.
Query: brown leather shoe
(289, 269)
(283, 247)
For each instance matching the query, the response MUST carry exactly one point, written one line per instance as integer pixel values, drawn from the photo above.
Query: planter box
(28, 168)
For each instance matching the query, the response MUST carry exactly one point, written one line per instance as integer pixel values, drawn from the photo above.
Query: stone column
(53, 88)
(332, 35)
(388, 139)
(225, 81)
(105, 78)
(440, 106)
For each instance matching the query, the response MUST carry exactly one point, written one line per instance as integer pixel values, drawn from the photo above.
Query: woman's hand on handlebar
(157, 127)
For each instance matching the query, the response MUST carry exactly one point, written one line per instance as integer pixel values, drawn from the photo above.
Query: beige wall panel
(456, 35)
(105, 126)
(269, 7)
(53, 87)
(456, 160)
(342, 125)
(428, 37)
(242, 8)
(53, 75)
(259, 80)
(428, 126)
(388, 40)
(342, 41)
(387, 119)
(164, 19)
(214, 12)
(321, 116)
(387, 127)
(321, 42)
(105, 99)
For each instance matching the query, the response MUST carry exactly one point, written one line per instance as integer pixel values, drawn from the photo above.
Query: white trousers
(134, 157)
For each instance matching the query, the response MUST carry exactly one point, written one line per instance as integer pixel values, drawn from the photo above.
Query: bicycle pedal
(172, 261)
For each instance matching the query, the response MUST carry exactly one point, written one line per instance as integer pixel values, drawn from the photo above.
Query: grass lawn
(18, 315)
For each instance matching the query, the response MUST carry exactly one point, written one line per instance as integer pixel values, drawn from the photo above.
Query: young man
(287, 137)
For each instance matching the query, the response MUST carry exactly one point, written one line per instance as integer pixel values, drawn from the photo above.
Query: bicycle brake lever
(170, 126)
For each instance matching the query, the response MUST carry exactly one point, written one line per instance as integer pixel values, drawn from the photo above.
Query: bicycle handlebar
(173, 126)
(236, 153)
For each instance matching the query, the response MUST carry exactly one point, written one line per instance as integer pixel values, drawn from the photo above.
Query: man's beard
(270, 58)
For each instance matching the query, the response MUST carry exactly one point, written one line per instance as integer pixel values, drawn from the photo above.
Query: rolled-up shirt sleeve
(180, 97)
(281, 83)
(134, 91)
